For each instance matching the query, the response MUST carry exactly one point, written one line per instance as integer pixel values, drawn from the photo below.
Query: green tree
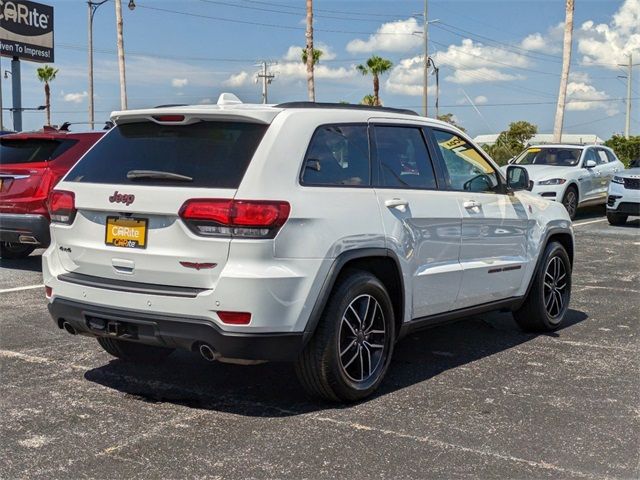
(626, 149)
(375, 66)
(511, 142)
(47, 74)
(368, 100)
(317, 54)
(451, 120)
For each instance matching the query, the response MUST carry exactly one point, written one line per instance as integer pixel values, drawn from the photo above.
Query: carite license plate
(126, 232)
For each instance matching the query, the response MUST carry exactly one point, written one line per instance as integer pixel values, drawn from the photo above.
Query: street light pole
(121, 65)
(425, 72)
(93, 6)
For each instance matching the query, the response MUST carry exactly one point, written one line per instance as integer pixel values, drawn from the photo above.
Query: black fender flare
(334, 271)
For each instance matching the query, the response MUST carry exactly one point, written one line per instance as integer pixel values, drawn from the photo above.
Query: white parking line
(590, 221)
(18, 289)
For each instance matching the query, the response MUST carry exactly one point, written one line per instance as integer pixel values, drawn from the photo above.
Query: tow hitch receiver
(112, 327)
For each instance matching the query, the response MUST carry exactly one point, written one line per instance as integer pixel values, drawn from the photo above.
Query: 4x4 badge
(125, 198)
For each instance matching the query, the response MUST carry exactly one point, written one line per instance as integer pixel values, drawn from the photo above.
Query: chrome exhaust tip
(28, 239)
(208, 353)
(69, 328)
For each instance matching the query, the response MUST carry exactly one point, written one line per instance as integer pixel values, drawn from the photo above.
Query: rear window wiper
(157, 175)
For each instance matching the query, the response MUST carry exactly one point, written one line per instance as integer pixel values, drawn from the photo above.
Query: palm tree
(317, 53)
(375, 66)
(368, 100)
(311, 89)
(47, 74)
(564, 78)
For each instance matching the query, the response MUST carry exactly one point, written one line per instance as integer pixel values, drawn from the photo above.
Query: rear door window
(14, 151)
(338, 155)
(204, 154)
(403, 158)
(602, 157)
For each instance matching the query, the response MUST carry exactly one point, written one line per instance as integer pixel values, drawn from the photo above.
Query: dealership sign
(26, 30)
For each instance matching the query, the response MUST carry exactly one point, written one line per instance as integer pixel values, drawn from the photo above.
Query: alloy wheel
(362, 339)
(570, 203)
(555, 288)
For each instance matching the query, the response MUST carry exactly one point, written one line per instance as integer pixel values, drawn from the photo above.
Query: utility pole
(16, 92)
(425, 72)
(267, 77)
(629, 65)
(121, 66)
(437, 72)
(564, 77)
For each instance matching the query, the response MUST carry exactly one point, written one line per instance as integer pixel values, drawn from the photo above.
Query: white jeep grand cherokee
(306, 232)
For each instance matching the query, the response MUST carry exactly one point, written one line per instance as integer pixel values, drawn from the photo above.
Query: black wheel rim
(362, 339)
(570, 203)
(556, 288)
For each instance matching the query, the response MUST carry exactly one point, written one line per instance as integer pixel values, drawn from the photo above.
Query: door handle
(471, 204)
(399, 203)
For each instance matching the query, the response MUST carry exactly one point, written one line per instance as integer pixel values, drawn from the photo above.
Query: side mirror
(518, 178)
(589, 163)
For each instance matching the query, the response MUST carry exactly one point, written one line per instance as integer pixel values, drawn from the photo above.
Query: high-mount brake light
(168, 118)
(62, 206)
(235, 218)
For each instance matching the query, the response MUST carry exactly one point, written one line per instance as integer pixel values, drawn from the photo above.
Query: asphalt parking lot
(477, 398)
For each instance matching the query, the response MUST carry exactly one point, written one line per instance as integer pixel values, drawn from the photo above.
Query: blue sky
(491, 52)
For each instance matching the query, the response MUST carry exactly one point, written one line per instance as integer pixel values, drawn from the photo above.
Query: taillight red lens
(239, 218)
(62, 206)
(48, 291)
(235, 318)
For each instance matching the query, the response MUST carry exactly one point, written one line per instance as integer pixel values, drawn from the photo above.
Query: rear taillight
(46, 183)
(62, 206)
(235, 218)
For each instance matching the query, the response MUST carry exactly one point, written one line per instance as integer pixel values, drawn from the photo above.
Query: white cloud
(582, 96)
(297, 70)
(467, 76)
(395, 36)
(205, 101)
(179, 82)
(480, 100)
(237, 80)
(550, 42)
(75, 97)
(406, 77)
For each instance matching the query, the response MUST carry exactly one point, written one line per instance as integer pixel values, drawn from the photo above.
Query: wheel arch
(381, 262)
(574, 184)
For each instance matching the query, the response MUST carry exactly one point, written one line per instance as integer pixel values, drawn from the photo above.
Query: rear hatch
(24, 170)
(128, 193)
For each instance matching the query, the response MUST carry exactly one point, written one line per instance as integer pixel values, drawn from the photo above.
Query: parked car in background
(575, 175)
(624, 196)
(31, 163)
(305, 232)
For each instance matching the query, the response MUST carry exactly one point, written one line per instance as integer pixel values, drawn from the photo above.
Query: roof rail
(344, 106)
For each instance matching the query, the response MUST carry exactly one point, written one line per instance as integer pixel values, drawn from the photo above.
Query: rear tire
(617, 218)
(134, 352)
(350, 351)
(570, 201)
(547, 303)
(12, 251)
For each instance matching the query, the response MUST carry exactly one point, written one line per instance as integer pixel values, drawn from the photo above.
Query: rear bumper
(175, 332)
(24, 228)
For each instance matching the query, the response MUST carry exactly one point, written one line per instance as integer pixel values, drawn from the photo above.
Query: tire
(617, 218)
(570, 201)
(547, 303)
(134, 352)
(12, 251)
(366, 352)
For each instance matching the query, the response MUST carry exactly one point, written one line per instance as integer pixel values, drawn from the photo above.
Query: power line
(302, 9)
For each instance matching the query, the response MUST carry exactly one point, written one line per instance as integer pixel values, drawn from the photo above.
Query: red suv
(30, 166)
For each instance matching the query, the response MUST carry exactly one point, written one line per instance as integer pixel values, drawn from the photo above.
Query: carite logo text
(125, 198)
(20, 13)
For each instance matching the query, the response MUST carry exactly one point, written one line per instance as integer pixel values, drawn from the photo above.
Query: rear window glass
(204, 154)
(561, 157)
(32, 150)
(338, 155)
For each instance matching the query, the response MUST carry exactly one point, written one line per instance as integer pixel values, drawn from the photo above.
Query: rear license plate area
(126, 232)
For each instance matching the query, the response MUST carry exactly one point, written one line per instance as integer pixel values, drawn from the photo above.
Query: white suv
(575, 175)
(306, 232)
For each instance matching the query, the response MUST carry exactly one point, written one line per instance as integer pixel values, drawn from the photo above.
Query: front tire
(617, 218)
(547, 303)
(134, 352)
(11, 251)
(570, 201)
(350, 351)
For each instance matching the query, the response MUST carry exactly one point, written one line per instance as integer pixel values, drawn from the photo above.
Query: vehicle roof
(265, 113)
(559, 145)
